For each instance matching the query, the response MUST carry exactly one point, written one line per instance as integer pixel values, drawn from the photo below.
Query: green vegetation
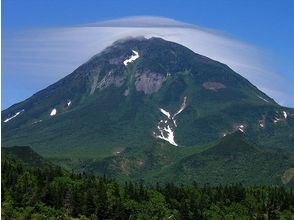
(229, 160)
(87, 135)
(30, 192)
(26, 155)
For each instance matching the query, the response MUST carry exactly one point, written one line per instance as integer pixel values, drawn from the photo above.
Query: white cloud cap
(51, 54)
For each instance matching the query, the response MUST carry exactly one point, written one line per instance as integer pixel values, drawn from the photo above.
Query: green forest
(49, 192)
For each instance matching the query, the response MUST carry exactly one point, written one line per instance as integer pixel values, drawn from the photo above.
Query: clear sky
(266, 24)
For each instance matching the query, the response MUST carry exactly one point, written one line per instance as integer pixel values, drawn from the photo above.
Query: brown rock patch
(213, 86)
(149, 82)
(288, 175)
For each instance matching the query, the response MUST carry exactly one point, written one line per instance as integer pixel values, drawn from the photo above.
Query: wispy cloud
(49, 54)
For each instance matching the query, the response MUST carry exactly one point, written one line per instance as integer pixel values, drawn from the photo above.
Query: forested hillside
(48, 192)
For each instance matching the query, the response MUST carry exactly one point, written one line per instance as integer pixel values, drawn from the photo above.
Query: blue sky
(267, 25)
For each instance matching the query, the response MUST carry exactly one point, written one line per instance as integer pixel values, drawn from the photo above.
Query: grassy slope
(234, 159)
(229, 160)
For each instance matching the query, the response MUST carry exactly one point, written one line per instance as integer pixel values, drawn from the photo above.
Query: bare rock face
(94, 84)
(93, 76)
(109, 79)
(149, 82)
(126, 92)
(213, 86)
(116, 61)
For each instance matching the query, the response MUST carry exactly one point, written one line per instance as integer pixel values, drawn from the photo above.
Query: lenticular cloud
(49, 54)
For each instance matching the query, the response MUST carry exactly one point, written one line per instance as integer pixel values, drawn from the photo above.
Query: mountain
(231, 159)
(156, 102)
(234, 159)
(24, 155)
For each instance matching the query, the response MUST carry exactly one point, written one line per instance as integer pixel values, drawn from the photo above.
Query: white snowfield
(285, 114)
(166, 127)
(241, 128)
(169, 135)
(166, 113)
(53, 112)
(12, 117)
(68, 103)
(132, 58)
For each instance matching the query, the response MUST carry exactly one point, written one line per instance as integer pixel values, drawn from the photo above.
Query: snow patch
(166, 113)
(263, 98)
(276, 120)
(183, 106)
(285, 114)
(261, 123)
(134, 56)
(53, 112)
(166, 127)
(68, 103)
(168, 136)
(278, 116)
(242, 130)
(15, 115)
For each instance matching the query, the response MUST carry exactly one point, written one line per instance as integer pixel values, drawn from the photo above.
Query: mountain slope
(234, 159)
(25, 155)
(229, 160)
(141, 94)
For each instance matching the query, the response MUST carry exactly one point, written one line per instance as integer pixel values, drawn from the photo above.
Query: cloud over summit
(49, 54)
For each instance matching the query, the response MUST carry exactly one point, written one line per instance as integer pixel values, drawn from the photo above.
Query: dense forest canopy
(48, 192)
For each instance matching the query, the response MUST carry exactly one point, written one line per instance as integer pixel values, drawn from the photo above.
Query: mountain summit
(142, 95)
